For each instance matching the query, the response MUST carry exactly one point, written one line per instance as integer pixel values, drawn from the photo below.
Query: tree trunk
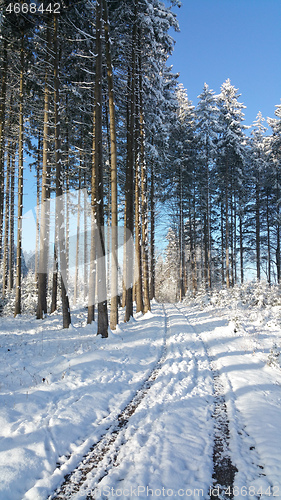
(241, 248)
(6, 232)
(77, 238)
(11, 219)
(138, 271)
(67, 201)
(2, 125)
(235, 240)
(92, 276)
(55, 276)
(113, 170)
(128, 107)
(258, 262)
(144, 204)
(278, 264)
(222, 247)
(227, 227)
(20, 186)
(44, 219)
(152, 235)
(205, 246)
(138, 264)
(232, 198)
(38, 172)
(129, 185)
(208, 222)
(181, 238)
(85, 239)
(60, 227)
(98, 166)
(194, 258)
(268, 238)
(192, 243)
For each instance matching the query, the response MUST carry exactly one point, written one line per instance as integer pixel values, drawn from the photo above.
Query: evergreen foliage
(88, 97)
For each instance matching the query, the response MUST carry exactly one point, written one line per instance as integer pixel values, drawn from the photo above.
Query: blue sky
(236, 39)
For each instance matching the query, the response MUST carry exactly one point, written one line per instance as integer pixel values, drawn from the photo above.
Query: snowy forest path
(107, 447)
(238, 466)
(175, 421)
(182, 375)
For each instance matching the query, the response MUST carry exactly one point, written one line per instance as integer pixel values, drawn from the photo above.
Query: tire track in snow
(106, 449)
(224, 414)
(224, 470)
(249, 458)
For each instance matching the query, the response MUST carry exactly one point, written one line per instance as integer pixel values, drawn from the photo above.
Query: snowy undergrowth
(255, 303)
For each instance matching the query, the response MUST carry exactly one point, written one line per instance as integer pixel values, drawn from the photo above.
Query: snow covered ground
(60, 391)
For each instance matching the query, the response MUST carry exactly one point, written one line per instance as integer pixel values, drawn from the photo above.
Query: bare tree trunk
(227, 226)
(144, 207)
(235, 240)
(138, 270)
(59, 183)
(194, 257)
(92, 276)
(205, 247)
(278, 264)
(20, 186)
(2, 125)
(98, 165)
(138, 266)
(181, 238)
(77, 239)
(67, 197)
(258, 251)
(6, 232)
(152, 235)
(85, 239)
(55, 276)
(44, 219)
(37, 207)
(209, 240)
(113, 170)
(222, 246)
(124, 282)
(268, 238)
(11, 219)
(232, 197)
(129, 185)
(192, 248)
(241, 248)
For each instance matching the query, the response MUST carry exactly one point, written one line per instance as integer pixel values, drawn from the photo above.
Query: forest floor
(183, 402)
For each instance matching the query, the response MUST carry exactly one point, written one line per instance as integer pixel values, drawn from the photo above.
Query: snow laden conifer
(182, 185)
(231, 154)
(257, 207)
(275, 158)
(207, 129)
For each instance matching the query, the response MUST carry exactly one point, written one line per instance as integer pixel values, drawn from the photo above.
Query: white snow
(60, 390)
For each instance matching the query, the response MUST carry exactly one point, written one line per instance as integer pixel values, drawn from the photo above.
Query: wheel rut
(223, 469)
(107, 447)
